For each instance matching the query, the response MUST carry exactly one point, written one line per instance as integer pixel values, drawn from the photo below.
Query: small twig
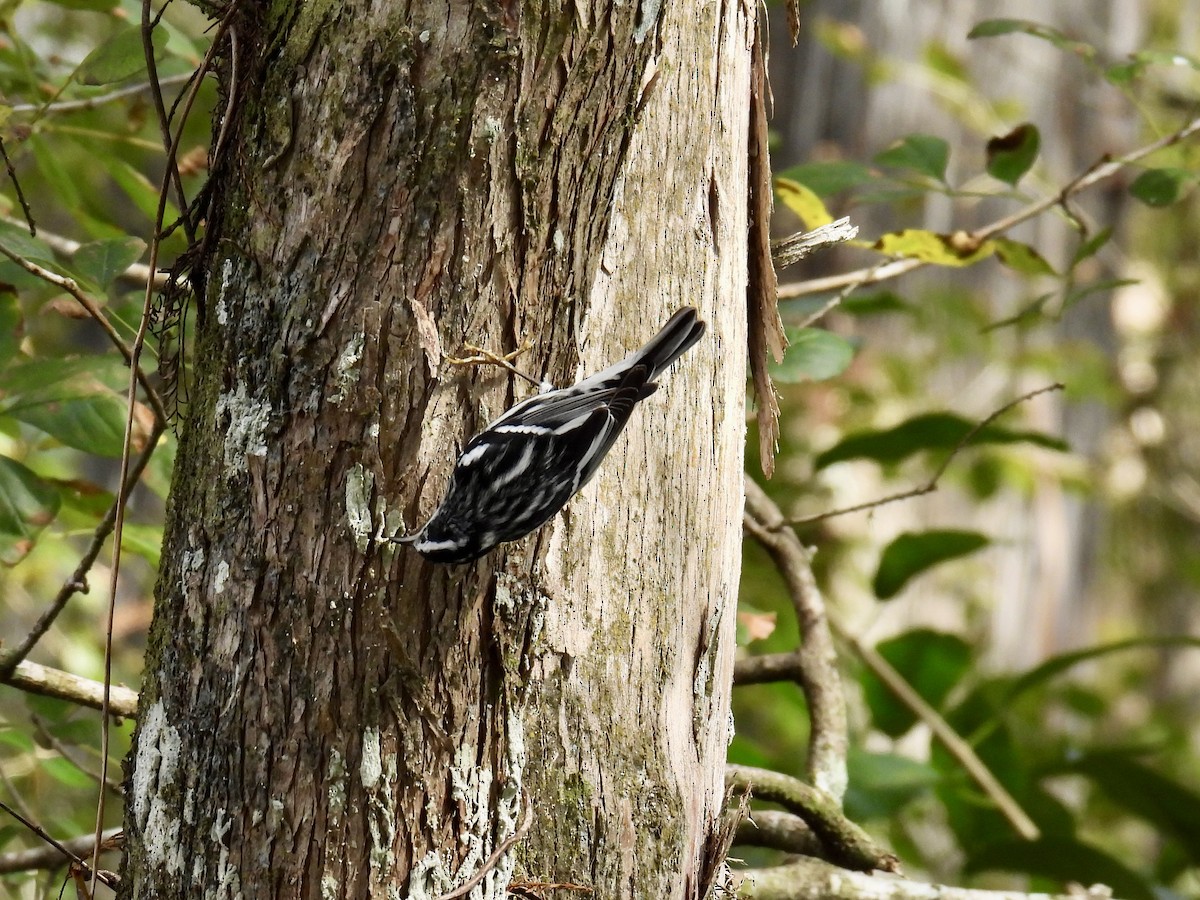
(58, 845)
(47, 682)
(77, 583)
(768, 668)
(482, 357)
(962, 752)
(820, 681)
(1099, 171)
(160, 108)
(778, 830)
(932, 484)
(836, 299)
(12, 176)
(69, 285)
(66, 753)
(64, 106)
(51, 857)
(493, 860)
(790, 250)
(845, 842)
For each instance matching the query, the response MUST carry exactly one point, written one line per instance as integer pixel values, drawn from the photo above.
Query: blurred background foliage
(1042, 599)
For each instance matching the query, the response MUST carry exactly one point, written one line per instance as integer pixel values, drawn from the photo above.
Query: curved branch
(845, 843)
(48, 682)
(812, 879)
(820, 681)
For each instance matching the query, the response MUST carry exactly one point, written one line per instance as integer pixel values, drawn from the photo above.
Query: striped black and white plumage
(523, 468)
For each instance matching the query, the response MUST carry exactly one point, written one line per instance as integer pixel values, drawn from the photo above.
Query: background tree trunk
(324, 714)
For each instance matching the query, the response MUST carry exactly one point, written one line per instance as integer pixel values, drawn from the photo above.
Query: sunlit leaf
(1011, 155)
(27, 505)
(914, 552)
(929, 431)
(1064, 859)
(803, 201)
(922, 153)
(940, 249)
(813, 354)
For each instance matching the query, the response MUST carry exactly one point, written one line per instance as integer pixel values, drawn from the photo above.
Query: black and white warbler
(518, 472)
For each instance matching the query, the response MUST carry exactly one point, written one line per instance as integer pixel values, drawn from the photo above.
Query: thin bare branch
(820, 680)
(1101, 170)
(768, 668)
(494, 860)
(962, 752)
(844, 842)
(77, 583)
(778, 830)
(47, 738)
(59, 846)
(155, 87)
(50, 857)
(85, 103)
(48, 682)
(12, 176)
(932, 484)
(69, 285)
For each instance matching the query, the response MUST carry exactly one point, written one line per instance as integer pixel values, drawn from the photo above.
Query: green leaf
(121, 56)
(27, 505)
(928, 431)
(1125, 72)
(1021, 257)
(922, 153)
(17, 239)
(1160, 187)
(143, 540)
(1057, 665)
(913, 552)
(65, 773)
(998, 27)
(803, 201)
(829, 178)
(1170, 806)
(881, 784)
(876, 303)
(1091, 246)
(102, 261)
(1011, 155)
(955, 250)
(932, 662)
(11, 326)
(1064, 859)
(813, 354)
(71, 400)
(50, 165)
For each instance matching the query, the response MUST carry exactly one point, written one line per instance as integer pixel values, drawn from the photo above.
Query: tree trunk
(325, 714)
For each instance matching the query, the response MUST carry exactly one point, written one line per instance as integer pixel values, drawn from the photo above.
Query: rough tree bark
(325, 715)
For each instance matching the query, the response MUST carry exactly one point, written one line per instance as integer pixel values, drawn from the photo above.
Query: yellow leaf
(803, 202)
(940, 249)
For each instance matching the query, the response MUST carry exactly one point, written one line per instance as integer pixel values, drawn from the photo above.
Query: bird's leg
(481, 357)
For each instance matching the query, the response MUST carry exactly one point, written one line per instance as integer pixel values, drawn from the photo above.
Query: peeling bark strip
(325, 715)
